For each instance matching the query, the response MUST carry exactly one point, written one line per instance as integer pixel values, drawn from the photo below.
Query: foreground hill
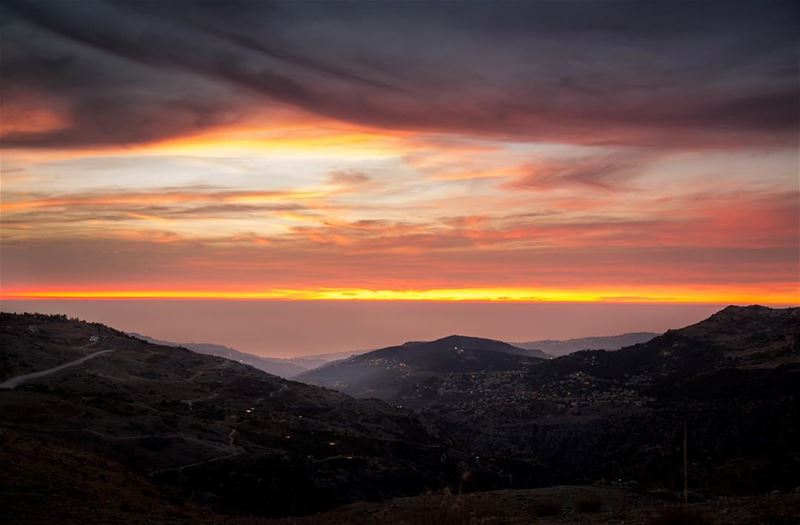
(224, 434)
(733, 379)
(82, 488)
(385, 372)
(558, 348)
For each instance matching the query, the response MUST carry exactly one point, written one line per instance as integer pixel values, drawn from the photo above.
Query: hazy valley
(286, 368)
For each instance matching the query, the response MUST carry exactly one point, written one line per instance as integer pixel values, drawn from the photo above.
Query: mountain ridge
(734, 378)
(280, 367)
(287, 368)
(561, 347)
(383, 372)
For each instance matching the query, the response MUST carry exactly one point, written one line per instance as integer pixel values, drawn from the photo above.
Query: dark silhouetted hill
(223, 434)
(385, 372)
(734, 379)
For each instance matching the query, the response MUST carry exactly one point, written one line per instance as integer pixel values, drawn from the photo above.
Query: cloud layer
(693, 74)
(401, 146)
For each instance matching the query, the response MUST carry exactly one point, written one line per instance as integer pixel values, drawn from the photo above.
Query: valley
(201, 437)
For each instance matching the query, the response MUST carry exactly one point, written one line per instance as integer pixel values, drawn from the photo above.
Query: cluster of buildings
(518, 391)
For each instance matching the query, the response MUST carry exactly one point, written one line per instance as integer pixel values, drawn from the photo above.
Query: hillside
(223, 434)
(734, 379)
(309, 362)
(385, 372)
(558, 348)
(83, 488)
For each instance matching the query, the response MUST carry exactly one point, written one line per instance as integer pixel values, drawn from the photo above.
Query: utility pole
(685, 470)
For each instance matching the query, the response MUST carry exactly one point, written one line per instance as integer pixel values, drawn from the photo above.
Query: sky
(568, 152)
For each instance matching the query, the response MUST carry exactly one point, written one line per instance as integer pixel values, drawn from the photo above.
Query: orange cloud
(21, 203)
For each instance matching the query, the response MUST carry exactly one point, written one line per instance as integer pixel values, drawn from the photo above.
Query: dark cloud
(698, 74)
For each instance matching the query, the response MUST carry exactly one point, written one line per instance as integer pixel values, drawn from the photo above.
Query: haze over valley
(293, 329)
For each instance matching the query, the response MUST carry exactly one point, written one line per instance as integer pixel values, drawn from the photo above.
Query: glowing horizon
(784, 296)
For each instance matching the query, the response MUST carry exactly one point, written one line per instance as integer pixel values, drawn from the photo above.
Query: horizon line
(650, 295)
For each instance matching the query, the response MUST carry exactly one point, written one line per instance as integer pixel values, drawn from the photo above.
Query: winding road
(236, 451)
(18, 380)
(231, 444)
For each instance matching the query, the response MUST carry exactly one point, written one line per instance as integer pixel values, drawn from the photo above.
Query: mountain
(282, 367)
(310, 362)
(198, 428)
(285, 368)
(752, 336)
(97, 426)
(385, 372)
(732, 379)
(558, 348)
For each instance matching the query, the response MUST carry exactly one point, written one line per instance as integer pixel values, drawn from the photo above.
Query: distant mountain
(204, 430)
(285, 368)
(310, 362)
(385, 372)
(558, 348)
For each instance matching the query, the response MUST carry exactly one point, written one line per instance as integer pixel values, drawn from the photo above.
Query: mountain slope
(558, 348)
(225, 434)
(309, 362)
(383, 373)
(734, 379)
(752, 335)
(285, 368)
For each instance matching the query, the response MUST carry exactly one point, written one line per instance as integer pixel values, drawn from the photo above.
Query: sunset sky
(519, 151)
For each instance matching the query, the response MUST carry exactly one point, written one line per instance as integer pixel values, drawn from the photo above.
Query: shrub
(548, 507)
(449, 512)
(681, 516)
(589, 504)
